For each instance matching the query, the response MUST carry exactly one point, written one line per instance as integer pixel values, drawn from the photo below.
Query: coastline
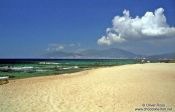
(25, 68)
(72, 74)
(118, 88)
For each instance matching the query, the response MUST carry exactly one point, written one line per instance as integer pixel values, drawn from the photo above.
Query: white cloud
(151, 25)
(60, 47)
(55, 47)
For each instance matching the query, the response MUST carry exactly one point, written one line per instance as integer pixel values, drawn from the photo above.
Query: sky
(30, 28)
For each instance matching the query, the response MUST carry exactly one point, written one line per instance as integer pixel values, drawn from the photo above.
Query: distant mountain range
(162, 56)
(104, 54)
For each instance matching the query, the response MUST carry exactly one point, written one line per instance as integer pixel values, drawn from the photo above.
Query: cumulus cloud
(152, 25)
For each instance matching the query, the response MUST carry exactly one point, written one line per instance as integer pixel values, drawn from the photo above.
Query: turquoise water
(34, 67)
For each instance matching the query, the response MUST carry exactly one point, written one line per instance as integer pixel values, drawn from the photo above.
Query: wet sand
(110, 89)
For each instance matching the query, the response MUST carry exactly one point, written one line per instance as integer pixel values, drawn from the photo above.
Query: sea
(23, 68)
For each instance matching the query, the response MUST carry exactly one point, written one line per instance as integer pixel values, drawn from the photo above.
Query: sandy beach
(110, 89)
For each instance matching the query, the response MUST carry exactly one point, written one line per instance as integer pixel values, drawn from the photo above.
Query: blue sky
(29, 28)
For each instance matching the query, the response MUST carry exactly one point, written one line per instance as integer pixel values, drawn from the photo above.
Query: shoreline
(118, 88)
(87, 69)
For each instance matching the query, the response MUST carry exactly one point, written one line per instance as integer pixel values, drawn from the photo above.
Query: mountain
(163, 56)
(61, 54)
(93, 53)
(104, 54)
(108, 53)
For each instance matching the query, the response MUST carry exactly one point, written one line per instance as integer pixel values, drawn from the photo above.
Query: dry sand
(110, 89)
